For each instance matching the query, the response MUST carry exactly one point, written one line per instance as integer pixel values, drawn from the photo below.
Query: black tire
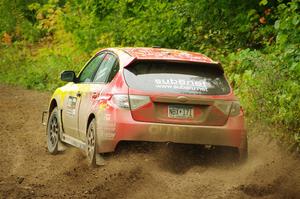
(91, 143)
(53, 131)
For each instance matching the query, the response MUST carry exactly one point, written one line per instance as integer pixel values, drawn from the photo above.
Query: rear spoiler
(216, 65)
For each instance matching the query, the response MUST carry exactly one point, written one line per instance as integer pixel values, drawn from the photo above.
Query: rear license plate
(180, 111)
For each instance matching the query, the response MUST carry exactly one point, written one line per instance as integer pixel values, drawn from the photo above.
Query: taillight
(137, 101)
(121, 101)
(235, 109)
(223, 106)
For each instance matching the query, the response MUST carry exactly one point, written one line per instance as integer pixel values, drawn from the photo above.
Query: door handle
(78, 94)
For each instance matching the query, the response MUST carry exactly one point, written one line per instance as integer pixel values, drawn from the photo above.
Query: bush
(268, 81)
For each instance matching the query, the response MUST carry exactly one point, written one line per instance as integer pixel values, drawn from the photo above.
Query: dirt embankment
(138, 170)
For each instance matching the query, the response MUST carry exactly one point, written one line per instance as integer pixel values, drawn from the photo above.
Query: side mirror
(68, 76)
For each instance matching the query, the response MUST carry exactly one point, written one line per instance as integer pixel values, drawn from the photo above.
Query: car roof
(128, 54)
(166, 54)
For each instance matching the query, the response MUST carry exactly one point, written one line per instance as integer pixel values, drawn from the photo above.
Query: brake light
(137, 101)
(235, 109)
(223, 106)
(132, 101)
(121, 101)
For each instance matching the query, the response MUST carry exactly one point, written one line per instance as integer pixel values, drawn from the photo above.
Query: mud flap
(44, 113)
(61, 146)
(99, 160)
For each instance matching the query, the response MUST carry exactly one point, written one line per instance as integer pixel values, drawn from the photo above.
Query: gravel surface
(134, 170)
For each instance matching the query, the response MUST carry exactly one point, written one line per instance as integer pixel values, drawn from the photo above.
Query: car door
(73, 94)
(89, 96)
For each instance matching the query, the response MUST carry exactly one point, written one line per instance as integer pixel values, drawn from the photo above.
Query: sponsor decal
(108, 135)
(181, 84)
(167, 130)
(108, 127)
(71, 106)
(102, 105)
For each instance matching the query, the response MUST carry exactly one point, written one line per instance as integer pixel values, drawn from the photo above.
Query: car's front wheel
(91, 143)
(53, 131)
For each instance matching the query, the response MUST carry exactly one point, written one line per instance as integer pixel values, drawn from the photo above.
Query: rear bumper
(126, 129)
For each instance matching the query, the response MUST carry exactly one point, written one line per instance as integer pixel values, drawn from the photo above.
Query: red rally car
(145, 94)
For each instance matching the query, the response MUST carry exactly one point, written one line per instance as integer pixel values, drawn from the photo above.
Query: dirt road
(138, 170)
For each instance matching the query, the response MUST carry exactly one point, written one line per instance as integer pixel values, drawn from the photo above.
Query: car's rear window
(171, 77)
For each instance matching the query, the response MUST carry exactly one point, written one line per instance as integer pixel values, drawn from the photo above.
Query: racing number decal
(71, 106)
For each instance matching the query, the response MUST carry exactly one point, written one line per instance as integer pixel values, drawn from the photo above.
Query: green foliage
(17, 20)
(257, 42)
(39, 68)
(47, 16)
(268, 81)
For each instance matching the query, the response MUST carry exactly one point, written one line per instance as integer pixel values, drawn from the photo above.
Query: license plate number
(180, 111)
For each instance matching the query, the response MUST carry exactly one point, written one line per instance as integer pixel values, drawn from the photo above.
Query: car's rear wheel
(91, 143)
(53, 131)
